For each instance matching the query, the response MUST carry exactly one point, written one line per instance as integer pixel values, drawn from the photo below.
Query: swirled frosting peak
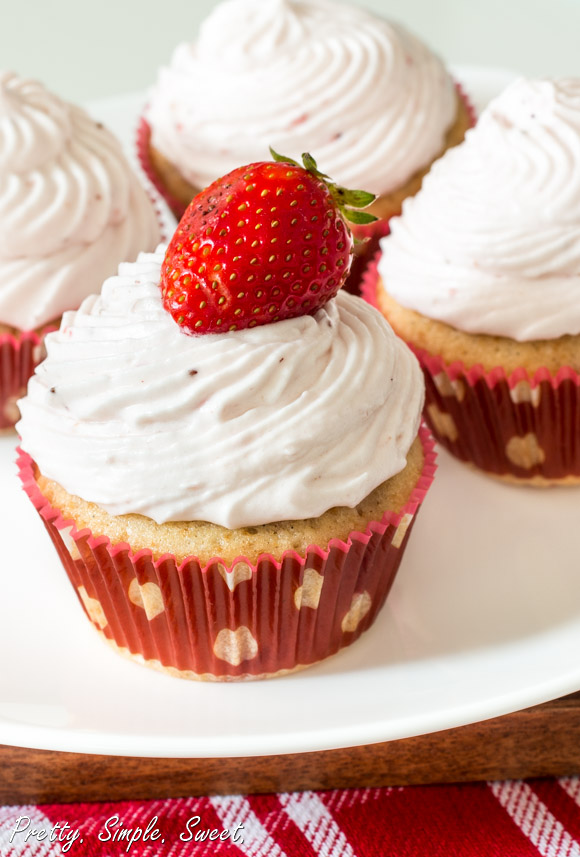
(280, 421)
(70, 207)
(491, 244)
(368, 99)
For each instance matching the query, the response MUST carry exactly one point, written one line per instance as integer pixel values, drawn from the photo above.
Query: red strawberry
(264, 243)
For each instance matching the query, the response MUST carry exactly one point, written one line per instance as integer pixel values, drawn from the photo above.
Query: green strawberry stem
(348, 202)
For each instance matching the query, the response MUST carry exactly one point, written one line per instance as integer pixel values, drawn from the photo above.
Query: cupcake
(230, 504)
(481, 276)
(365, 96)
(71, 210)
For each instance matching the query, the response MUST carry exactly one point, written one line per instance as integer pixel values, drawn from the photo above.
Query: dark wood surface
(540, 741)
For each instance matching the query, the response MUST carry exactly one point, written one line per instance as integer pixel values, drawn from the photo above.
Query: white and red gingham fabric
(496, 819)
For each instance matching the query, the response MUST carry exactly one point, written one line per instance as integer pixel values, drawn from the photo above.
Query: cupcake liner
(370, 281)
(164, 217)
(363, 252)
(240, 620)
(518, 426)
(469, 106)
(20, 353)
(143, 140)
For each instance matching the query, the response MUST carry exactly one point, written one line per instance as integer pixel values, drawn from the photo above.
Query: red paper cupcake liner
(20, 354)
(469, 106)
(519, 426)
(164, 218)
(240, 620)
(143, 140)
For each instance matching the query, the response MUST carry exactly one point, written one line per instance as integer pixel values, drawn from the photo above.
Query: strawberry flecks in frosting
(281, 421)
(365, 97)
(491, 244)
(71, 208)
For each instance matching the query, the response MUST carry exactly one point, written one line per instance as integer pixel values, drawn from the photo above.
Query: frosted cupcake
(481, 275)
(367, 98)
(71, 210)
(230, 505)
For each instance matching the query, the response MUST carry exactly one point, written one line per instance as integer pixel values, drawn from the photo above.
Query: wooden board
(539, 741)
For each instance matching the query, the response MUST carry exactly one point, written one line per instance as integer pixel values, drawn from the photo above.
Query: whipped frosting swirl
(281, 421)
(491, 244)
(365, 97)
(71, 208)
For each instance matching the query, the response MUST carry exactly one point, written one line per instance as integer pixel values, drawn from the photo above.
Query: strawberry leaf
(354, 198)
(347, 201)
(282, 159)
(309, 163)
(360, 217)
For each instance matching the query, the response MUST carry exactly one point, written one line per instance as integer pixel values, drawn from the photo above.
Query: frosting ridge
(364, 96)
(71, 208)
(276, 422)
(491, 244)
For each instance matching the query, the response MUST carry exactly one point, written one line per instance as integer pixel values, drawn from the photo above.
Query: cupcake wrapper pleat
(522, 426)
(243, 620)
(519, 426)
(20, 353)
(467, 102)
(143, 140)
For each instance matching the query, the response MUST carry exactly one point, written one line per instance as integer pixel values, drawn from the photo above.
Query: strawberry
(266, 242)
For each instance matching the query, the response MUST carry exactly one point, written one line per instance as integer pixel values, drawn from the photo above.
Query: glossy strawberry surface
(264, 243)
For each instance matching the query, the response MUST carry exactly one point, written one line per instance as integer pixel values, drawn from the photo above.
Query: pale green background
(85, 50)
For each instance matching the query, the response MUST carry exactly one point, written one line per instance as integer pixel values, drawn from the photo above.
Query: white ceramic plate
(483, 619)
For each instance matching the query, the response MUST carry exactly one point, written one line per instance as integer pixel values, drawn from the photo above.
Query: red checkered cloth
(497, 819)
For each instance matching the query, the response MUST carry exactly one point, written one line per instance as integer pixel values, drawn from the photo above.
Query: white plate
(483, 619)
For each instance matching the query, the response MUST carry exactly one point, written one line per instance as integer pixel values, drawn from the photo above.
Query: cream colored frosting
(281, 421)
(71, 208)
(491, 244)
(365, 97)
